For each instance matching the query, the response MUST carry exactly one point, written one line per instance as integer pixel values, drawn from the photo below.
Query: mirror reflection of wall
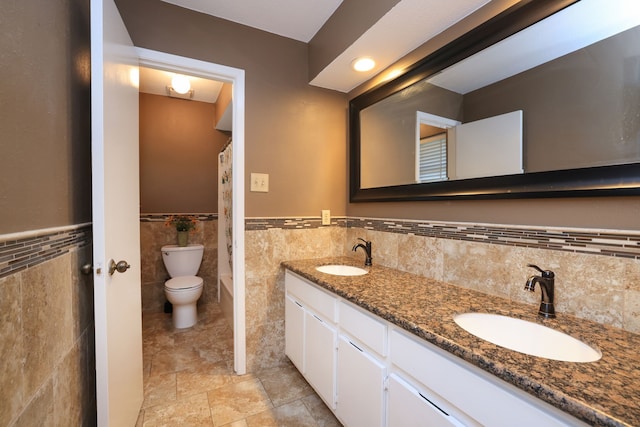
(389, 129)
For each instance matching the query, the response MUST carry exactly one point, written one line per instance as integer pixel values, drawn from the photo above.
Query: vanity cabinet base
(372, 373)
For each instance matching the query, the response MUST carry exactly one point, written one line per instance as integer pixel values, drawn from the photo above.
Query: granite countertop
(602, 393)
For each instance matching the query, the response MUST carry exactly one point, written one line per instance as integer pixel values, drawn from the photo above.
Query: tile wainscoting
(47, 356)
(598, 271)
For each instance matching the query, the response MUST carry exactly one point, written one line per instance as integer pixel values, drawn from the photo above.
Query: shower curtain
(225, 188)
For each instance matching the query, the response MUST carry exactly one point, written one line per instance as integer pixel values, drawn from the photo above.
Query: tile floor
(189, 381)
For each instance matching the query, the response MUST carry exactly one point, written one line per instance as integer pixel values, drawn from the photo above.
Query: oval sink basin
(527, 337)
(342, 270)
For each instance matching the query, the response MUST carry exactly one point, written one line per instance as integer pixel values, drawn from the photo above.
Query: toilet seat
(183, 283)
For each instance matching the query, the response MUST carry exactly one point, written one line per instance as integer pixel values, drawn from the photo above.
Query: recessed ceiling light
(180, 84)
(363, 64)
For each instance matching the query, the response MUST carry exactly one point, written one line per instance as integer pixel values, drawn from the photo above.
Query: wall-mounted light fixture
(363, 64)
(180, 87)
(180, 84)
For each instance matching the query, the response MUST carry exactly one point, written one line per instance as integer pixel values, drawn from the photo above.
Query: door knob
(87, 269)
(120, 267)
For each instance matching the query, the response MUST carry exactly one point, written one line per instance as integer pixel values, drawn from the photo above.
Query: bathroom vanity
(382, 349)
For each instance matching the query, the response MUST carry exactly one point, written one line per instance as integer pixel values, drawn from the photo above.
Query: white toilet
(184, 288)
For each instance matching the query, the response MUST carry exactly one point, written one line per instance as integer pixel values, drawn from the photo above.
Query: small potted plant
(183, 224)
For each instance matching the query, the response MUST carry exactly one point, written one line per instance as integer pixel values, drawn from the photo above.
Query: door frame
(235, 76)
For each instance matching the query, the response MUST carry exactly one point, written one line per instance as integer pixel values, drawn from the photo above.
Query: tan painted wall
(47, 356)
(178, 155)
(45, 121)
(294, 132)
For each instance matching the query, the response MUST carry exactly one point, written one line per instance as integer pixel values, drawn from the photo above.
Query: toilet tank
(182, 260)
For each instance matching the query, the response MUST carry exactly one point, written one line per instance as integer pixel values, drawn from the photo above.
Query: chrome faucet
(546, 281)
(367, 248)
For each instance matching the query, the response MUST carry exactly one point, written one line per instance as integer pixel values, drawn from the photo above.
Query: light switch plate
(260, 182)
(326, 217)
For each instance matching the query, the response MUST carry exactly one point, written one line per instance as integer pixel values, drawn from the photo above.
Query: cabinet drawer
(409, 407)
(482, 399)
(363, 327)
(315, 299)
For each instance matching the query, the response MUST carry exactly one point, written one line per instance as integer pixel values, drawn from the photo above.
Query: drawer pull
(359, 349)
(433, 404)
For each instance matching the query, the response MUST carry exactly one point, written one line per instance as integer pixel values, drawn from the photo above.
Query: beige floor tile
(323, 415)
(205, 377)
(174, 360)
(189, 381)
(159, 388)
(284, 384)
(192, 412)
(236, 401)
(294, 414)
(216, 350)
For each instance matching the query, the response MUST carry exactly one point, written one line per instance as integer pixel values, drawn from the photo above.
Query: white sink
(527, 337)
(342, 270)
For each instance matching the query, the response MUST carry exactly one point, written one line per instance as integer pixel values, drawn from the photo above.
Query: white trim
(431, 120)
(41, 232)
(235, 76)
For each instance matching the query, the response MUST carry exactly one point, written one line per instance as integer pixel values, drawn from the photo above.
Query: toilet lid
(183, 283)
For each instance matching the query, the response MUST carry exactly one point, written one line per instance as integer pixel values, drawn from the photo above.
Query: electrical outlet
(260, 182)
(326, 217)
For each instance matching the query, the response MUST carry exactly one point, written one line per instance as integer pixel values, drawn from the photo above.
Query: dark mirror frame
(617, 180)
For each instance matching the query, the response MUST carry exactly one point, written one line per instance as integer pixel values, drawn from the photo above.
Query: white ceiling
(406, 26)
(295, 19)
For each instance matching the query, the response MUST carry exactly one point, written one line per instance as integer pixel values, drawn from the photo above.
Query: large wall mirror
(541, 101)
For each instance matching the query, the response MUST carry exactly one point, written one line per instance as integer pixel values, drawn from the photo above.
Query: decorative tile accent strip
(163, 217)
(602, 242)
(18, 253)
(624, 244)
(257, 224)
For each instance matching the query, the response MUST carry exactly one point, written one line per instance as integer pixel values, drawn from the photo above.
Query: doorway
(235, 77)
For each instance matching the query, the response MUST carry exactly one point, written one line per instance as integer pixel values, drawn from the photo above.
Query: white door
(116, 234)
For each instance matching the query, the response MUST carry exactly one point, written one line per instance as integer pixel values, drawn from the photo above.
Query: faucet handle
(366, 241)
(548, 274)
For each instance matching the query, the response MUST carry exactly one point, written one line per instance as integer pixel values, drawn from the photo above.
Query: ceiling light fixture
(363, 64)
(180, 84)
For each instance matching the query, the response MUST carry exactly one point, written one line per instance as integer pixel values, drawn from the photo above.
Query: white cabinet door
(294, 332)
(360, 386)
(320, 357)
(409, 408)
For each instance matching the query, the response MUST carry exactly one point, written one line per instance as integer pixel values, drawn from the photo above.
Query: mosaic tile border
(161, 217)
(18, 253)
(625, 244)
(258, 224)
